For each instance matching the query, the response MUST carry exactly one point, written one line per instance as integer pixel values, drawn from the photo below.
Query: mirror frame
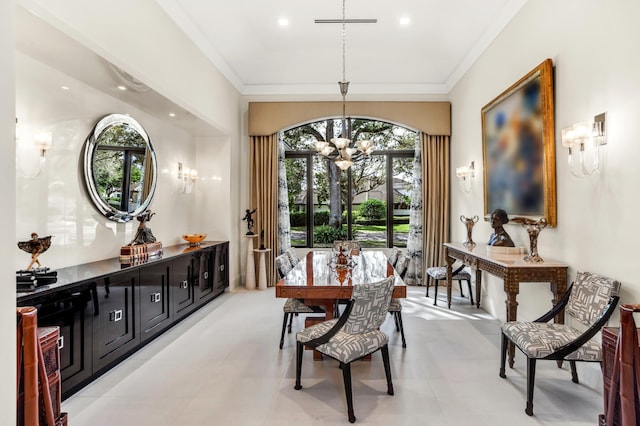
(91, 145)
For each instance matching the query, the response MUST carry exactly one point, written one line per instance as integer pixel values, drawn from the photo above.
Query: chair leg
(574, 372)
(428, 279)
(299, 350)
(284, 326)
(398, 316)
(503, 355)
(346, 376)
(435, 297)
(290, 321)
(531, 377)
(387, 368)
(460, 285)
(395, 320)
(470, 292)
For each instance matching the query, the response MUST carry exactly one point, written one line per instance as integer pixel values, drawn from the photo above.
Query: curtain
(436, 190)
(415, 240)
(263, 193)
(284, 222)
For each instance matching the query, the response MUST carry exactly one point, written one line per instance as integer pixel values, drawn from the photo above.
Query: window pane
(323, 236)
(402, 186)
(368, 200)
(297, 188)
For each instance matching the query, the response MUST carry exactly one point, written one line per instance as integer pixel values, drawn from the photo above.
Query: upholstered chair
(395, 307)
(439, 273)
(291, 306)
(354, 335)
(589, 303)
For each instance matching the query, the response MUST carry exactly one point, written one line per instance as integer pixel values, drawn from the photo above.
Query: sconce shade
(43, 140)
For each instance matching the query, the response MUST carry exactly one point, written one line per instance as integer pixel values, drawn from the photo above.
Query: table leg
(512, 288)
(450, 261)
(478, 287)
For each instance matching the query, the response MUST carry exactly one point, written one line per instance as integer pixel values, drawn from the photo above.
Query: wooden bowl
(194, 239)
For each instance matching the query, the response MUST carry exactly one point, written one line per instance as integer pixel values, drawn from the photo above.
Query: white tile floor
(222, 366)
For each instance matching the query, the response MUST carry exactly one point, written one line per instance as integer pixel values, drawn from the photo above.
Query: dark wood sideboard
(107, 310)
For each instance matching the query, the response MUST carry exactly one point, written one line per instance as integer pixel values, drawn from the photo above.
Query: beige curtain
(436, 192)
(263, 193)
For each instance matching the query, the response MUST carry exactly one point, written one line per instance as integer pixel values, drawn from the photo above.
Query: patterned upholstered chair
(394, 256)
(395, 307)
(291, 306)
(352, 336)
(590, 301)
(293, 257)
(439, 273)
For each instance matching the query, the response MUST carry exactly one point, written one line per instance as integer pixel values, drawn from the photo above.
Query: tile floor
(222, 366)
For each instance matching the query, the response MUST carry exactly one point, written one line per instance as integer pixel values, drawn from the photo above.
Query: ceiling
(260, 57)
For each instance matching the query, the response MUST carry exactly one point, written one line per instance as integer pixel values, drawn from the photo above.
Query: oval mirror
(120, 167)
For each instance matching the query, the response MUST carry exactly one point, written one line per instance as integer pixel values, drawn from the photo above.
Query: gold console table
(513, 270)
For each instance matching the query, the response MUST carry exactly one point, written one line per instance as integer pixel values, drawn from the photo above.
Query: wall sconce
(585, 136)
(464, 175)
(42, 141)
(187, 179)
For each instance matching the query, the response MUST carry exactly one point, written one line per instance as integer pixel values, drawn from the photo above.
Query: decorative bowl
(194, 239)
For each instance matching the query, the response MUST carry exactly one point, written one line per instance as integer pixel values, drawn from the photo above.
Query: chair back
(370, 305)
(394, 256)
(589, 296)
(402, 265)
(293, 257)
(283, 265)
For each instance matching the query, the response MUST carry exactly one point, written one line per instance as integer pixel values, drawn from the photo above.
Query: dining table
(319, 281)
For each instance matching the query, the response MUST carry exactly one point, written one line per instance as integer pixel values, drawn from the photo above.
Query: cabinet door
(114, 331)
(183, 286)
(205, 275)
(71, 312)
(154, 300)
(221, 267)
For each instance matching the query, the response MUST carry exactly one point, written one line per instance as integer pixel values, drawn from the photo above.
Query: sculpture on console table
(144, 234)
(500, 237)
(249, 219)
(144, 244)
(469, 222)
(533, 228)
(35, 246)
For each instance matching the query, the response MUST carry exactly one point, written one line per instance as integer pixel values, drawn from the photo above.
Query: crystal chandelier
(341, 150)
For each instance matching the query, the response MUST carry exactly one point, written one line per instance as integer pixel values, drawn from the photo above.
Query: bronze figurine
(500, 237)
(249, 220)
(35, 246)
(144, 234)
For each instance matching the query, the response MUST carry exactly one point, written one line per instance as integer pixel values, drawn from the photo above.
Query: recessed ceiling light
(283, 22)
(171, 114)
(405, 21)
(122, 88)
(64, 87)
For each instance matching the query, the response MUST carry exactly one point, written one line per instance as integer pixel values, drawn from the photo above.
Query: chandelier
(342, 150)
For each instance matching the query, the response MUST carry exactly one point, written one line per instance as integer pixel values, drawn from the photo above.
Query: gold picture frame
(518, 148)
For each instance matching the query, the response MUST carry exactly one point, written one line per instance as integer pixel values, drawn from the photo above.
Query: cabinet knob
(60, 342)
(221, 268)
(205, 275)
(184, 284)
(155, 297)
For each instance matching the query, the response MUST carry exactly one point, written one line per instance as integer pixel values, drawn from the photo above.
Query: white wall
(593, 45)
(7, 217)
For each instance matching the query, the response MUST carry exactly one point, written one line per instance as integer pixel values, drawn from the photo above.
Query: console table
(513, 270)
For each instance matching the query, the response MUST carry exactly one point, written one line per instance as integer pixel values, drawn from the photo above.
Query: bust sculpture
(499, 237)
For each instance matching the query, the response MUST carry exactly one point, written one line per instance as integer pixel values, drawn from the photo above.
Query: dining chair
(293, 256)
(395, 306)
(291, 306)
(353, 336)
(394, 256)
(439, 273)
(589, 302)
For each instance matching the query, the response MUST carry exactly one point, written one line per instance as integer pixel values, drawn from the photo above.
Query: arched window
(369, 202)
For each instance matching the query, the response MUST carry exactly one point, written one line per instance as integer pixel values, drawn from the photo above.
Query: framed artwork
(518, 148)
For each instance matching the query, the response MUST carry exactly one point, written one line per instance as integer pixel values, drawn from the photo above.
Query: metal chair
(590, 301)
(353, 336)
